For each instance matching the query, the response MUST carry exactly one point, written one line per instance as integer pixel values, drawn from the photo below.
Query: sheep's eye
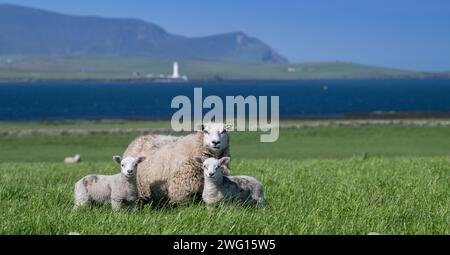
(206, 132)
(123, 165)
(224, 131)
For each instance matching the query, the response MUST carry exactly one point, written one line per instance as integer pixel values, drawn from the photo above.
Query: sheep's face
(212, 167)
(215, 136)
(128, 165)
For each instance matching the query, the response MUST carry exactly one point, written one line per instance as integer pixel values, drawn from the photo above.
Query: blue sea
(306, 98)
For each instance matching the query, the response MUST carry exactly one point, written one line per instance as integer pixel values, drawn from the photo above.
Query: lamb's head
(215, 136)
(212, 167)
(128, 165)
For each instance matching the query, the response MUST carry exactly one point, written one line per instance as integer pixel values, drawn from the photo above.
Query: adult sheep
(146, 143)
(170, 172)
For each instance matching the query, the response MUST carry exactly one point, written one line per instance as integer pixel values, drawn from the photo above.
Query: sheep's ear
(224, 161)
(229, 127)
(200, 128)
(141, 159)
(226, 171)
(117, 159)
(199, 159)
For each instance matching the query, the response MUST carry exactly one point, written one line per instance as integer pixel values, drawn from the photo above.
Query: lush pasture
(390, 196)
(292, 144)
(317, 182)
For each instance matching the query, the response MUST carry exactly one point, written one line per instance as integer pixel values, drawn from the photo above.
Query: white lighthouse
(174, 77)
(175, 74)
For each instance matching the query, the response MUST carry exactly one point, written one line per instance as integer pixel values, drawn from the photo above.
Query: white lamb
(219, 188)
(73, 160)
(115, 189)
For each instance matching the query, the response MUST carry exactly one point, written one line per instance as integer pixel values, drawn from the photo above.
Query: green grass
(387, 196)
(316, 181)
(292, 144)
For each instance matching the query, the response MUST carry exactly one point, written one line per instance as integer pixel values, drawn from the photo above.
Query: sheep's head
(215, 136)
(212, 167)
(128, 165)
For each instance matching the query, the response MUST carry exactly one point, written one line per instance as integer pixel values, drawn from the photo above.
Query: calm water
(152, 101)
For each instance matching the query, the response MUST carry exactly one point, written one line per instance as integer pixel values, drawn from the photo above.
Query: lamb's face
(212, 167)
(216, 136)
(128, 165)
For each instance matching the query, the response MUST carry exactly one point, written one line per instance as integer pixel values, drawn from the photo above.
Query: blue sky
(412, 34)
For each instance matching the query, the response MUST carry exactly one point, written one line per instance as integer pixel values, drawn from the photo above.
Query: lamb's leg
(80, 204)
(116, 204)
(81, 196)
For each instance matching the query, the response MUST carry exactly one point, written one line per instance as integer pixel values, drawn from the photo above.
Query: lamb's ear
(224, 161)
(229, 127)
(140, 159)
(117, 159)
(199, 159)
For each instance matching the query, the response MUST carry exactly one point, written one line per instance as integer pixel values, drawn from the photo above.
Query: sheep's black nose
(216, 142)
(129, 171)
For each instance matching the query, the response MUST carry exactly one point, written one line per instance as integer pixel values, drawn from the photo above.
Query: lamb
(170, 172)
(115, 189)
(219, 188)
(73, 160)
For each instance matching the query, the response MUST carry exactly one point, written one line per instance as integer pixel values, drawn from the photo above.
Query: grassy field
(101, 68)
(317, 182)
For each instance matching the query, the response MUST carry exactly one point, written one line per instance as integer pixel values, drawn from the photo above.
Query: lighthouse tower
(175, 74)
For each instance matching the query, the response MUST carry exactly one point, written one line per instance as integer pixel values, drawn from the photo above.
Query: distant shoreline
(149, 81)
(348, 117)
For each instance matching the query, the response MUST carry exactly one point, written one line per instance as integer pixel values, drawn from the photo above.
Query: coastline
(153, 81)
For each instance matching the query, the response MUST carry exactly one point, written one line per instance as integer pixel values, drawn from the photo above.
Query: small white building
(291, 69)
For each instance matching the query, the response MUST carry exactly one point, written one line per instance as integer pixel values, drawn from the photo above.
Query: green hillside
(135, 68)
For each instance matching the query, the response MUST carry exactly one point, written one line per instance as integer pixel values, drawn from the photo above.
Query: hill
(33, 32)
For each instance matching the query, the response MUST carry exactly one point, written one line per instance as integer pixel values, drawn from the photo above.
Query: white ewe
(170, 172)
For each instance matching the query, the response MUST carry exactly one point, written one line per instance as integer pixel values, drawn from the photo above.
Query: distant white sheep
(115, 189)
(219, 188)
(73, 160)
